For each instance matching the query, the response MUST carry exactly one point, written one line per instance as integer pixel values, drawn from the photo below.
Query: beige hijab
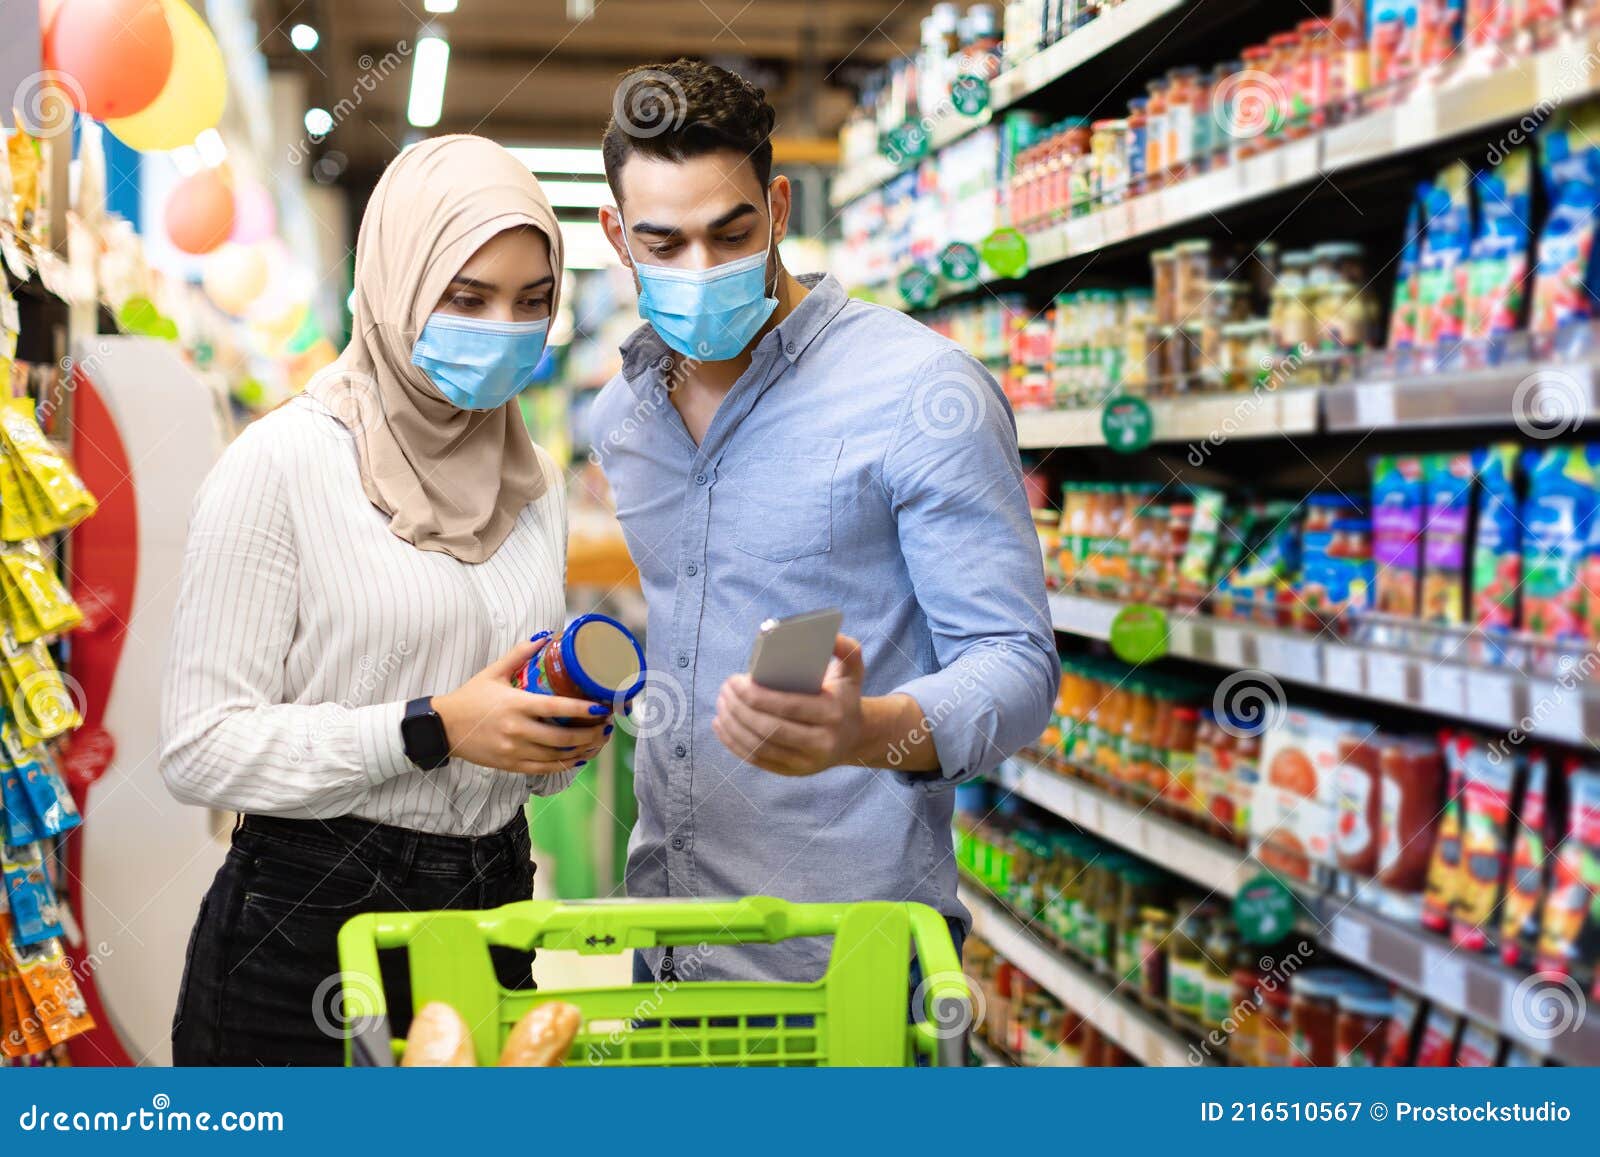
(450, 480)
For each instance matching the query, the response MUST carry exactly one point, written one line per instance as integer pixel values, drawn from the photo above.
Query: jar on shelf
(1138, 145)
(1155, 156)
(1342, 316)
(1283, 63)
(1138, 315)
(1155, 929)
(1273, 1044)
(1364, 1015)
(1183, 357)
(1314, 1016)
(1157, 339)
(1186, 962)
(1182, 107)
(1227, 304)
(1247, 117)
(1337, 261)
(1140, 888)
(1233, 357)
(1293, 320)
(1164, 283)
(1191, 278)
(1244, 1046)
(1216, 997)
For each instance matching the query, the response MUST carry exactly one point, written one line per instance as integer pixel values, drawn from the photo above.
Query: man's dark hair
(687, 109)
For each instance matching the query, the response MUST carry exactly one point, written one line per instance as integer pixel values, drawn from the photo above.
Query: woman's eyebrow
(472, 283)
(547, 279)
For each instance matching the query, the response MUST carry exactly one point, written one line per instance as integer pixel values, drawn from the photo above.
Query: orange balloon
(119, 52)
(199, 212)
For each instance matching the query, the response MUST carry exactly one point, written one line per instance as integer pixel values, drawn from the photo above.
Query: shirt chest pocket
(783, 499)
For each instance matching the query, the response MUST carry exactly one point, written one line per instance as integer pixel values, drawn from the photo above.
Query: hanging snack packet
(1441, 278)
(1486, 824)
(21, 825)
(1565, 273)
(1530, 866)
(1497, 274)
(24, 1033)
(1403, 311)
(1444, 869)
(1569, 934)
(28, 891)
(1444, 538)
(53, 991)
(66, 500)
(1556, 518)
(48, 604)
(35, 692)
(1497, 545)
(47, 793)
(16, 521)
(1398, 494)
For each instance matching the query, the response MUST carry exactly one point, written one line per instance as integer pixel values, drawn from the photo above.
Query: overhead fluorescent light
(319, 122)
(439, 6)
(304, 37)
(577, 194)
(429, 65)
(566, 161)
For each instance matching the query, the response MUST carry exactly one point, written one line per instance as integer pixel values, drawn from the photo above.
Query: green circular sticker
(918, 286)
(1127, 424)
(1006, 252)
(1264, 910)
(970, 95)
(959, 262)
(1139, 633)
(908, 142)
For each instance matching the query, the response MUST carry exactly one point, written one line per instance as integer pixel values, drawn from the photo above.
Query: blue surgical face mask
(479, 365)
(709, 314)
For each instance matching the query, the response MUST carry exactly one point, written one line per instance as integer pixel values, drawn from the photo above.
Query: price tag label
(1388, 676)
(1489, 697)
(1558, 709)
(1227, 646)
(1374, 405)
(1352, 938)
(1295, 658)
(1444, 977)
(1202, 644)
(1341, 668)
(1444, 688)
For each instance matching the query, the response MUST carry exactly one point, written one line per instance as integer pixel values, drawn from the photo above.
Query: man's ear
(782, 195)
(611, 222)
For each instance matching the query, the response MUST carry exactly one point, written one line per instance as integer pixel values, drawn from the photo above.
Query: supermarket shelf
(864, 176)
(1078, 48)
(1502, 699)
(1182, 851)
(1465, 983)
(1192, 419)
(1093, 997)
(1484, 397)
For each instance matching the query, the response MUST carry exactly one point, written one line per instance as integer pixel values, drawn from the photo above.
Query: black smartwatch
(422, 733)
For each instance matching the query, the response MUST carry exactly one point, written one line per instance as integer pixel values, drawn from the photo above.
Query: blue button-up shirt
(863, 462)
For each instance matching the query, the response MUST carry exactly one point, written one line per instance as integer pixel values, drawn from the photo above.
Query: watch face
(423, 736)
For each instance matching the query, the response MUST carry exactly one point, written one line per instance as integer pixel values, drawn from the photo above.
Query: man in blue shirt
(774, 448)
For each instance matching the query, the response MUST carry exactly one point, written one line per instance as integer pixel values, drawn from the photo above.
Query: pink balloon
(255, 216)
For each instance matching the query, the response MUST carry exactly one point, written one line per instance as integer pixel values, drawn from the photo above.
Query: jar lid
(1340, 287)
(1333, 250)
(1163, 254)
(1193, 245)
(1374, 1002)
(1300, 258)
(1324, 983)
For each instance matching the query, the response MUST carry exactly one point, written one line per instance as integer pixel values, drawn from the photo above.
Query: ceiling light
(428, 69)
(577, 194)
(319, 122)
(575, 162)
(304, 37)
(440, 6)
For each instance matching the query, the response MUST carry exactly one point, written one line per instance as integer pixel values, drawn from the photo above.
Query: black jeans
(258, 984)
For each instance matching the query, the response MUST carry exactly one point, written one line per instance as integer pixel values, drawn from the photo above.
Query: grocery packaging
(1441, 278)
(31, 899)
(1497, 541)
(1530, 866)
(1556, 518)
(1488, 788)
(1292, 816)
(1478, 1048)
(1569, 932)
(1403, 307)
(1564, 273)
(1402, 1032)
(1359, 794)
(593, 657)
(1448, 481)
(1436, 1048)
(1398, 501)
(1498, 269)
(1444, 868)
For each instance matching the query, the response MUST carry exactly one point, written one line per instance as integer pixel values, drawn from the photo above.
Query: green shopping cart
(854, 1015)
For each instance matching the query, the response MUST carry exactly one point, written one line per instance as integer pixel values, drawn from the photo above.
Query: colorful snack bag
(1438, 31)
(1497, 546)
(1497, 274)
(1397, 510)
(1569, 934)
(1530, 866)
(1295, 808)
(1392, 41)
(1490, 22)
(53, 991)
(39, 603)
(63, 499)
(21, 826)
(1488, 788)
(1403, 311)
(1444, 550)
(1444, 869)
(1437, 1047)
(28, 891)
(24, 1035)
(35, 692)
(1556, 519)
(1564, 275)
(1195, 567)
(47, 792)
(1441, 280)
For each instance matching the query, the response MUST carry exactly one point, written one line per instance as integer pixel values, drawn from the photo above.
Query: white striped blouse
(304, 626)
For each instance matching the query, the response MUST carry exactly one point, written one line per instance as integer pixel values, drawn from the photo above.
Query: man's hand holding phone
(793, 733)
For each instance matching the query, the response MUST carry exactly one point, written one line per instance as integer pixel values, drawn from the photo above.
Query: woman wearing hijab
(365, 567)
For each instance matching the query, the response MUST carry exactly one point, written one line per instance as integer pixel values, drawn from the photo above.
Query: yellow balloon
(192, 99)
(234, 276)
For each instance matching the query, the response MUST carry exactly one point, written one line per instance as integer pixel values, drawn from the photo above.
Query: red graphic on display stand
(104, 560)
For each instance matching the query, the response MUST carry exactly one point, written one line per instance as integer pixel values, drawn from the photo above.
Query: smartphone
(792, 654)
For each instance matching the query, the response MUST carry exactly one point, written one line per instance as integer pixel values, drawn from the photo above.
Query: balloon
(194, 94)
(199, 213)
(234, 276)
(255, 216)
(118, 51)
